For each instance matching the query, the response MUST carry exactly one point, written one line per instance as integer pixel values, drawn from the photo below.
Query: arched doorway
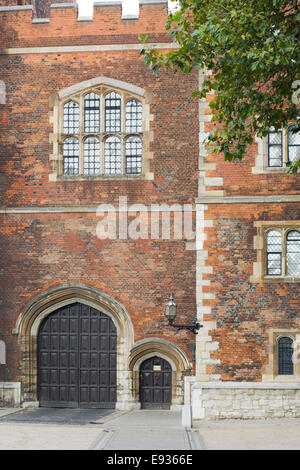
(77, 359)
(46, 303)
(155, 384)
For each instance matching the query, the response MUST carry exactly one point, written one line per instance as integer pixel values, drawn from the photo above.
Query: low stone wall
(10, 394)
(231, 400)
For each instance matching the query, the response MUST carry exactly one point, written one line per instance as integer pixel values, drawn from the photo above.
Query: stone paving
(109, 430)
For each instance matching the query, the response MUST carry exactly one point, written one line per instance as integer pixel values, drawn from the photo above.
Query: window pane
(92, 113)
(275, 138)
(71, 118)
(285, 356)
(134, 116)
(293, 253)
(293, 146)
(274, 242)
(294, 153)
(275, 149)
(112, 164)
(91, 156)
(71, 156)
(113, 112)
(274, 253)
(294, 139)
(133, 155)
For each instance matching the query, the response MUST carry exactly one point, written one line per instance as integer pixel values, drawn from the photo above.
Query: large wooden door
(77, 359)
(155, 384)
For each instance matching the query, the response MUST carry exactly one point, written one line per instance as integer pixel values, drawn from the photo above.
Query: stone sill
(281, 279)
(247, 385)
(132, 177)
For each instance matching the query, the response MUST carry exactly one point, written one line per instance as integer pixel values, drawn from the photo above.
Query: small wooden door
(155, 384)
(77, 359)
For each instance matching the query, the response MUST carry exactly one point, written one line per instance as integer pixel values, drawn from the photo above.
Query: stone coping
(247, 385)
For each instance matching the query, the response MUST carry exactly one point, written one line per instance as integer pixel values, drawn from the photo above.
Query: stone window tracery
(276, 150)
(101, 130)
(278, 251)
(283, 252)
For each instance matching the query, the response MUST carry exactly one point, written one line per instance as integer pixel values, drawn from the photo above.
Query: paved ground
(272, 434)
(49, 429)
(146, 430)
(65, 429)
(66, 416)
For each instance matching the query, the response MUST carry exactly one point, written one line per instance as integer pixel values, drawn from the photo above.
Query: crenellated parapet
(20, 27)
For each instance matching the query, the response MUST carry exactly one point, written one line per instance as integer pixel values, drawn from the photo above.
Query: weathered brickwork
(50, 252)
(45, 243)
(243, 310)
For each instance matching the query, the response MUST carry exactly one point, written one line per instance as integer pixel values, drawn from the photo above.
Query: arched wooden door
(77, 359)
(155, 384)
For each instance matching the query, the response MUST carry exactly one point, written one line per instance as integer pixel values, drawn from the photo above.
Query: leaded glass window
(92, 113)
(134, 115)
(285, 356)
(71, 118)
(113, 112)
(275, 149)
(293, 146)
(91, 159)
(293, 253)
(112, 162)
(274, 253)
(101, 133)
(71, 156)
(133, 155)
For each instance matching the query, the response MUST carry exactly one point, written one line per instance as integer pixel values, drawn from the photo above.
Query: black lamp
(170, 312)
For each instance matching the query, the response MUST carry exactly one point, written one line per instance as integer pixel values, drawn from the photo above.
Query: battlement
(11, 7)
(109, 25)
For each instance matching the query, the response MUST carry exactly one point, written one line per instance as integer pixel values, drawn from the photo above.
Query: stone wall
(231, 400)
(10, 394)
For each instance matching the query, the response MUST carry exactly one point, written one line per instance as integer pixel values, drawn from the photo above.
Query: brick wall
(44, 250)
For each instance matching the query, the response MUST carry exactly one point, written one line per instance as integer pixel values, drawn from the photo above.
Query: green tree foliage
(251, 48)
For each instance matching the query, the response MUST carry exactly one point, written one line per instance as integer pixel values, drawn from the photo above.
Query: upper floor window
(102, 134)
(283, 147)
(101, 131)
(276, 150)
(283, 252)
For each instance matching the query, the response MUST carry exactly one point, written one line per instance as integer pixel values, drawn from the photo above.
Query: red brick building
(89, 134)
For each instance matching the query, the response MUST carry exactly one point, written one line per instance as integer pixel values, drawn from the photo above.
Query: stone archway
(30, 319)
(149, 347)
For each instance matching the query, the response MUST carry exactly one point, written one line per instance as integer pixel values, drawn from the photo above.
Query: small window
(71, 156)
(285, 356)
(71, 118)
(92, 113)
(91, 156)
(113, 112)
(134, 116)
(133, 155)
(113, 159)
(274, 253)
(282, 252)
(275, 150)
(293, 253)
(293, 146)
(283, 147)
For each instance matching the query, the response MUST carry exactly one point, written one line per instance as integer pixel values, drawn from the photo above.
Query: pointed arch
(32, 316)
